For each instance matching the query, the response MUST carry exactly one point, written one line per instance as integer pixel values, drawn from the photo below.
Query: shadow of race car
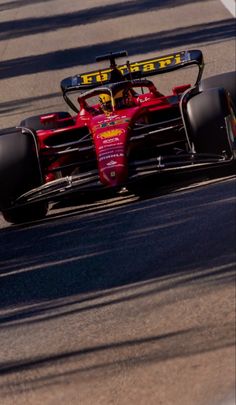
(123, 129)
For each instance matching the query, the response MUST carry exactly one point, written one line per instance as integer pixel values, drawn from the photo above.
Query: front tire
(207, 116)
(19, 172)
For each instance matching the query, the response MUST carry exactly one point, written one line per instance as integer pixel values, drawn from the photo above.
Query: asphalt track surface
(124, 300)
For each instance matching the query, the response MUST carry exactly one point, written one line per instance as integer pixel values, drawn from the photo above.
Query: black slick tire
(207, 115)
(19, 173)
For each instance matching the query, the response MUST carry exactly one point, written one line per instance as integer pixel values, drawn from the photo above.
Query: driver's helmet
(122, 99)
(105, 102)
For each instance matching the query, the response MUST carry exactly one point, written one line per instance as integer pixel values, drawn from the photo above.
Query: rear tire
(225, 80)
(206, 113)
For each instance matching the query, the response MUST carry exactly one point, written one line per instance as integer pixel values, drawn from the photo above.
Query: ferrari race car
(124, 128)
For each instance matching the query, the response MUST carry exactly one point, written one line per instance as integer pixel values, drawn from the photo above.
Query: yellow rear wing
(134, 70)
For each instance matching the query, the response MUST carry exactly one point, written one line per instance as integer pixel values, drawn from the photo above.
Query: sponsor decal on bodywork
(111, 133)
(112, 163)
(112, 140)
(111, 156)
(105, 124)
(145, 66)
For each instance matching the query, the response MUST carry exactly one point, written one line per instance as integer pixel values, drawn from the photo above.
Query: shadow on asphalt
(92, 251)
(71, 266)
(19, 3)
(39, 25)
(203, 33)
(111, 357)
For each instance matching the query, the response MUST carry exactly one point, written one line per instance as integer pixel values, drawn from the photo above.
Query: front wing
(85, 182)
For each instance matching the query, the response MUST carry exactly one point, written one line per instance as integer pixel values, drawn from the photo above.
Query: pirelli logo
(145, 66)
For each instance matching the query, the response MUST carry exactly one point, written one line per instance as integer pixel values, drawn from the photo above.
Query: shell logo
(111, 133)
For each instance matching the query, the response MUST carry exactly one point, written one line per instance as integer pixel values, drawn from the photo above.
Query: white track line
(230, 5)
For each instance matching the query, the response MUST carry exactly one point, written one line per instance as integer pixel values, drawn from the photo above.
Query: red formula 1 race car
(124, 128)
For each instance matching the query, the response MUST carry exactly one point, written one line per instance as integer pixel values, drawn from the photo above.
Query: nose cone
(111, 150)
(110, 135)
(114, 175)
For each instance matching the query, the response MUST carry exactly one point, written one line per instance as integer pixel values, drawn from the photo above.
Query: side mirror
(178, 90)
(45, 119)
